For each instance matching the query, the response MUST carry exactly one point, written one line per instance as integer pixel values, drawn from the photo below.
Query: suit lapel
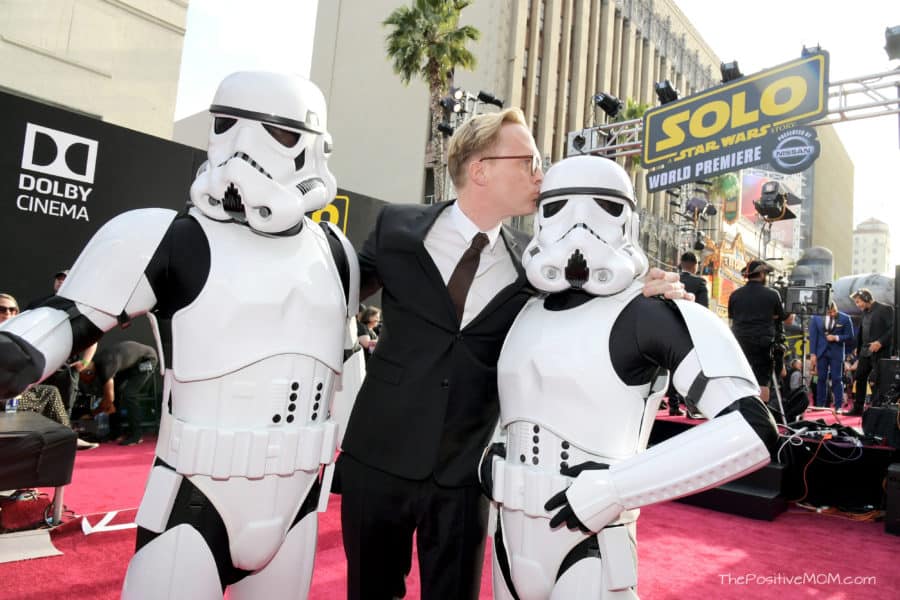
(418, 231)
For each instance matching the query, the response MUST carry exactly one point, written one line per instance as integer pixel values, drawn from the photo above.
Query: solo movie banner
(750, 121)
(63, 175)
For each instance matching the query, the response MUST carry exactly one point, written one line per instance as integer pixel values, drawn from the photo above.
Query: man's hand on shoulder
(665, 283)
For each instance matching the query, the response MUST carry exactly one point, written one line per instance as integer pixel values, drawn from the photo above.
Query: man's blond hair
(477, 135)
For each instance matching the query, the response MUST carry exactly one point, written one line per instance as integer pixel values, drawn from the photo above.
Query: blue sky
(228, 35)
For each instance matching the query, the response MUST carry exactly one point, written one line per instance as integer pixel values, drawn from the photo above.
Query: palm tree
(633, 110)
(426, 41)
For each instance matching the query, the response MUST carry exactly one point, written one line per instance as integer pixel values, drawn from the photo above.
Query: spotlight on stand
(892, 42)
(774, 201)
(489, 98)
(446, 129)
(451, 104)
(578, 142)
(665, 92)
(730, 71)
(698, 242)
(457, 93)
(608, 104)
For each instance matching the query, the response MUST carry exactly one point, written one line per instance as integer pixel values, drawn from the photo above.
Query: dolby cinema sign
(57, 173)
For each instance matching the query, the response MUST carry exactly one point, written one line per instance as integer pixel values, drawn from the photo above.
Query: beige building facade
(550, 58)
(116, 60)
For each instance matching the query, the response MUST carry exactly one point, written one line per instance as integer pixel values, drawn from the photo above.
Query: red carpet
(685, 552)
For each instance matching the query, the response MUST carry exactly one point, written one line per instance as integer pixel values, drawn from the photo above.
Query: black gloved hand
(486, 468)
(566, 514)
(21, 364)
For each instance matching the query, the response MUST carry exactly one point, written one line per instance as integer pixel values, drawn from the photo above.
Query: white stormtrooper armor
(256, 307)
(268, 153)
(577, 389)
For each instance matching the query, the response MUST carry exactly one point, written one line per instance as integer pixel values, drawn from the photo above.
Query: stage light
(730, 71)
(608, 104)
(446, 129)
(698, 243)
(665, 92)
(578, 142)
(773, 202)
(489, 98)
(451, 104)
(457, 93)
(892, 42)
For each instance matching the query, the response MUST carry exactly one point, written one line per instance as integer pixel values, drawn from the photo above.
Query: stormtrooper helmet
(268, 153)
(586, 229)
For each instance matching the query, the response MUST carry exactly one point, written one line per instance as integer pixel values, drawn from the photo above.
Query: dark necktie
(464, 273)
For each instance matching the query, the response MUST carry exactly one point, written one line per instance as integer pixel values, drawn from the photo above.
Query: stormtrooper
(251, 304)
(581, 375)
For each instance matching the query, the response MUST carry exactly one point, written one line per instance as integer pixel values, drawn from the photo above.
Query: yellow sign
(728, 116)
(335, 213)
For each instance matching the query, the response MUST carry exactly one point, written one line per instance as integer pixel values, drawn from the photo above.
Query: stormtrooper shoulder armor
(111, 266)
(714, 344)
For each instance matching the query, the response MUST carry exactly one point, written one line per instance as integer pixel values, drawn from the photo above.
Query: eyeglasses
(535, 160)
(9, 309)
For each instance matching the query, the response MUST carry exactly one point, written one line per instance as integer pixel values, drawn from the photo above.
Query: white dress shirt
(449, 237)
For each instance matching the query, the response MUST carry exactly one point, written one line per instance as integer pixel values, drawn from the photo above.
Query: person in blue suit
(827, 337)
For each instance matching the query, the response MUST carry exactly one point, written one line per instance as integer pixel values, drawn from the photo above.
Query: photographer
(873, 344)
(754, 311)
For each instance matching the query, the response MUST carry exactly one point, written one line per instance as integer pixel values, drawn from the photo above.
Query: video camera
(801, 299)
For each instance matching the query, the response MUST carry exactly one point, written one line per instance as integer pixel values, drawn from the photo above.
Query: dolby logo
(59, 154)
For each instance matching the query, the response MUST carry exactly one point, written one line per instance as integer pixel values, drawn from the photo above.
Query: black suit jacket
(429, 404)
(881, 328)
(697, 286)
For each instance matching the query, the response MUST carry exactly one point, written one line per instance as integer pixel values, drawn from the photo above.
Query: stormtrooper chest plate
(264, 297)
(555, 374)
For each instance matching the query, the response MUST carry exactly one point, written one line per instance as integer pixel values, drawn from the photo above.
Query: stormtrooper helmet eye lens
(223, 124)
(613, 208)
(551, 208)
(285, 137)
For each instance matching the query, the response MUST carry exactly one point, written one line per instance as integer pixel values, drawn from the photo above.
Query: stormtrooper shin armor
(563, 403)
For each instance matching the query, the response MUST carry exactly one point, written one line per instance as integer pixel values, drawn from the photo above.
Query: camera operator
(754, 311)
(873, 344)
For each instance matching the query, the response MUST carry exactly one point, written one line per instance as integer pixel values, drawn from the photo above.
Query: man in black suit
(873, 343)
(693, 283)
(452, 284)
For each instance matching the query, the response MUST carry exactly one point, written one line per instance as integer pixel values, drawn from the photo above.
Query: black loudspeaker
(889, 379)
(892, 500)
(881, 422)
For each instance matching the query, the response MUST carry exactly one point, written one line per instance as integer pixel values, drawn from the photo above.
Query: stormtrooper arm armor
(106, 287)
(716, 378)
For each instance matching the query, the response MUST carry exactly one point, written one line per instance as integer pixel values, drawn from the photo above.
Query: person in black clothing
(873, 343)
(118, 373)
(695, 285)
(754, 310)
